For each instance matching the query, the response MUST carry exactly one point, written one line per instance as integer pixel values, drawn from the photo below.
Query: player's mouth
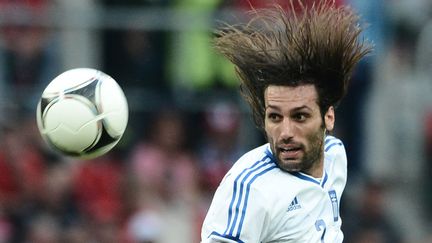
(290, 152)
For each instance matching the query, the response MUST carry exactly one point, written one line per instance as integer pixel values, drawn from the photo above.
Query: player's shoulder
(333, 145)
(334, 152)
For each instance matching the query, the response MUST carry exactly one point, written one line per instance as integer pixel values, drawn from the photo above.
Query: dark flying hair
(316, 44)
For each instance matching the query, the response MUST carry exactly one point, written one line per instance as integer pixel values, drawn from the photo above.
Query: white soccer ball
(82, 113)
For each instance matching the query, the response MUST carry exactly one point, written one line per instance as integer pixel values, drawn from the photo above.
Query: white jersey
(257, 202)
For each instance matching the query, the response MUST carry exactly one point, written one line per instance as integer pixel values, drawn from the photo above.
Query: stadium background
(188, 123)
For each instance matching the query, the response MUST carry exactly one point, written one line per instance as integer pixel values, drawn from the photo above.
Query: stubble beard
(312, 156)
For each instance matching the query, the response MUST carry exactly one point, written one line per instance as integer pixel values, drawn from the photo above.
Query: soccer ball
(82, 113)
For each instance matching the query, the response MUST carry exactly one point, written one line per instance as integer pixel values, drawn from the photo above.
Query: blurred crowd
(188, 124)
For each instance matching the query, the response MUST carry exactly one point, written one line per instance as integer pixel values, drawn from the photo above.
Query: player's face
(295, 128)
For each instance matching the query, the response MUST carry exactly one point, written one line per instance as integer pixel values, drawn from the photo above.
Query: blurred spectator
(98, 193)
(352, 112)
(78, 232)
(56, 202)
(22, 171)
(220, 145)
(428, 170)
(192, 64)
(351, 116)
(145, 226)
(28, 59)
(43, 228)
(163, 161)
(394, 136)
(135, 57)
(423, 64)
(164, 174)
(5, 227)
(98, 189)
(369, 221)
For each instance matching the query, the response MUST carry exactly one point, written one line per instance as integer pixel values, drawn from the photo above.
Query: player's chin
(290, 165)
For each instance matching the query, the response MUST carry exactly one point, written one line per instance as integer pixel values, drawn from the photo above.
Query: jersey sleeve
(237, 214)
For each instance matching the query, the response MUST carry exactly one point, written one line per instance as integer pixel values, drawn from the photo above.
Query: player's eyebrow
(300, 108)
(272, 107)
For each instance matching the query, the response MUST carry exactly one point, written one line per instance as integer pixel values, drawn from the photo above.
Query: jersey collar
(300, 175)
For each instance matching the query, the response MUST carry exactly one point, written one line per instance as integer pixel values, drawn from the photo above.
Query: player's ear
(329, 119)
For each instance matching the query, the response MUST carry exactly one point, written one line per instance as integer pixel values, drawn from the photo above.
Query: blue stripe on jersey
(327, 148)
(237, 208)
(247, 197)
(324, 179)
(311, 179)
(329, 139)
(269, 154)
(230, 210)
(236, 239)
(251, 171)
(304, 177)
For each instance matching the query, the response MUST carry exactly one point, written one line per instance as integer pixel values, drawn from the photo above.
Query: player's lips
(289, 152)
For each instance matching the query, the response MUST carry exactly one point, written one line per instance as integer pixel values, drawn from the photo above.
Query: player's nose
(287, 129)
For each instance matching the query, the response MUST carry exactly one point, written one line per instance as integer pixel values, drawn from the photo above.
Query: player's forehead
(291, 97)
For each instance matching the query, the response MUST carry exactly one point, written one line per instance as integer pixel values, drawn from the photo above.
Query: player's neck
(316, 170)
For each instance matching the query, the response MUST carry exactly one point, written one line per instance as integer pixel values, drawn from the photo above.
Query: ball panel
(68, 119)
(70, 80)
(113, 104)
(105, 143)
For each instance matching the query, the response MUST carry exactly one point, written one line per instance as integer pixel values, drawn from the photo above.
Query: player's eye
(300, 117)
(274, 117)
